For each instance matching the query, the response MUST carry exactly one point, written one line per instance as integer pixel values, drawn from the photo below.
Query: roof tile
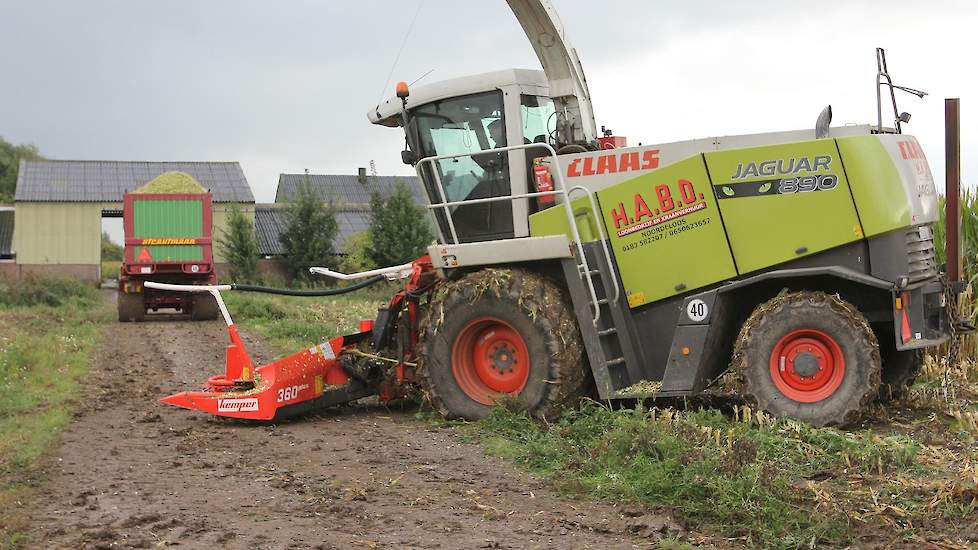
(107, 181)
(271, 222)
(345, 189)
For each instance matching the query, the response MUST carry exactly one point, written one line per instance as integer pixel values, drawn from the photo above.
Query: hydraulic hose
(320, 292)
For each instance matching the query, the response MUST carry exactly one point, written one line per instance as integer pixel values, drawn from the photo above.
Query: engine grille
(920, 253)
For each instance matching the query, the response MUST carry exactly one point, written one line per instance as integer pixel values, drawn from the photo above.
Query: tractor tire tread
(768, 315)
(542, 302)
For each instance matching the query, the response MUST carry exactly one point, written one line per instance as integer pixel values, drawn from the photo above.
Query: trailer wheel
(809, 356)
(203, 307)
(496, 333)
(131, 308)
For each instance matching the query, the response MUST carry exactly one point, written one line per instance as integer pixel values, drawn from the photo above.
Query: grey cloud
(282, 86)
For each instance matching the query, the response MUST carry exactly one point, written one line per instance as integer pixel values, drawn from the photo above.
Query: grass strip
(49, 329)
(766, 482)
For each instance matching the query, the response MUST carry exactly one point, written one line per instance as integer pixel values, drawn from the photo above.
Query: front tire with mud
(809, 356)
(500, 332)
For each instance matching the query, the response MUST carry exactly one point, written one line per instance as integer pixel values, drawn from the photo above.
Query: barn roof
(106, 181)
(272, 220)
(345, 189)
(6, 232)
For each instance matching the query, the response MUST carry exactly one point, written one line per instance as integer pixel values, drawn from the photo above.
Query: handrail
(881, 74)
(560, 189)
(601, 235)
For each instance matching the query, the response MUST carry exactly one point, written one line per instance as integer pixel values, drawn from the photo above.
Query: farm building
(350, 195)
(59, 206)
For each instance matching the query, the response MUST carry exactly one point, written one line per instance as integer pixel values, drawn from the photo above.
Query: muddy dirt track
(131, 472)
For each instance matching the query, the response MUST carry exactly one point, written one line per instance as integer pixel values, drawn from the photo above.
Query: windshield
(462, 125)
(538, 119)
(468, 124)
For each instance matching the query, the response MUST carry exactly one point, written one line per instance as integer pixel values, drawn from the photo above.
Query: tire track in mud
(131, 472)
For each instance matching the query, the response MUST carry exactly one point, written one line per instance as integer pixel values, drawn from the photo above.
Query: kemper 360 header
(569, 263)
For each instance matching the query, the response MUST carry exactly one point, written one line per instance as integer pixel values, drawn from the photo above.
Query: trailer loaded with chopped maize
(168, 228)
(568, 262)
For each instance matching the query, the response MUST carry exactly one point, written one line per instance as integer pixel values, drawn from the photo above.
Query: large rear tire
(809, 356)
(131, 308)
(501, 332)
(204, 307)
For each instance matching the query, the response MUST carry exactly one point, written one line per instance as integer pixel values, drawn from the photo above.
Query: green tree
(10, 157)
(239, 247)
(308, 240)
(357, 254)
(399, 227)
(111, 252)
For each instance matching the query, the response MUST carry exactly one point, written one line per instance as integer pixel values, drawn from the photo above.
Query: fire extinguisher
(544, 182)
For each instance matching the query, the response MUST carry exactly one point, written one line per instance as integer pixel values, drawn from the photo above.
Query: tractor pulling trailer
(568, 263)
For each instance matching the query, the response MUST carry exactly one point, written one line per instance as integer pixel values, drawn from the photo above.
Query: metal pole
(952, 188)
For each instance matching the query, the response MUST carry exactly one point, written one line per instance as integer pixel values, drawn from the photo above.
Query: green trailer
(167, 239)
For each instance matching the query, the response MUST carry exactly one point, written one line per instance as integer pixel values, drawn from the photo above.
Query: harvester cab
(802, 262)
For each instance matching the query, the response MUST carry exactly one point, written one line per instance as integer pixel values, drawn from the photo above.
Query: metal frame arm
(393, 272)
(565, 75)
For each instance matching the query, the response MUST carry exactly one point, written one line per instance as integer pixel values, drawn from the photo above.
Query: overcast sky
(284, 86)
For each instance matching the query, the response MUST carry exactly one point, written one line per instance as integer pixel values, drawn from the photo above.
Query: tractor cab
(471, 118)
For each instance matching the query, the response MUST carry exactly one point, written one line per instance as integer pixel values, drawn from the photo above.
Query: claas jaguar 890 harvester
(568, 262)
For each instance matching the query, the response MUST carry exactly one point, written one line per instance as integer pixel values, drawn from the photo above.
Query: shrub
(399, 227)
(308, 240)
(358, 256)
(10, 157)
(110, 250)
(239, 246)
(44, 291)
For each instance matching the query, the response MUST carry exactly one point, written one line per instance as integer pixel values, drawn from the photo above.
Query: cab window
(468, 124)
(539, 118)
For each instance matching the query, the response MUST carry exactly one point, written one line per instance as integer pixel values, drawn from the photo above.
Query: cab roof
(388, 113)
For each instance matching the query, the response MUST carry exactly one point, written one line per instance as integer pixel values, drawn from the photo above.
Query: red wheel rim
(807, 365)
(489, 359)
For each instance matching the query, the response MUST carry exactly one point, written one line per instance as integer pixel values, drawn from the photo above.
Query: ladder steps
(616, 361)
(606, 332)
